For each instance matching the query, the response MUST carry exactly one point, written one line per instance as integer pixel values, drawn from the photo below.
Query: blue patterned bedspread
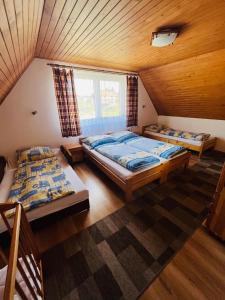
(155, 147)
(129, 157)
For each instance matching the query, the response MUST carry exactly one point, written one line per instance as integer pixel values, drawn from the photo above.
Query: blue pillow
(122, 136)
(97, 140)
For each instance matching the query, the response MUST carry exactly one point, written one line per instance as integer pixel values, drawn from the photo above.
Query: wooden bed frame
(208, 144)
(136, 181)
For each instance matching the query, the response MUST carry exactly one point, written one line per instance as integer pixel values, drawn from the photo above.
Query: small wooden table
(74, 151)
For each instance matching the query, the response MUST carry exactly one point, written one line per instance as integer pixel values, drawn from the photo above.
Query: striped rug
(119, 256)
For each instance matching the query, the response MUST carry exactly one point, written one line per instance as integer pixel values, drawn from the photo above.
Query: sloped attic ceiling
(116, 34)
(19, 27)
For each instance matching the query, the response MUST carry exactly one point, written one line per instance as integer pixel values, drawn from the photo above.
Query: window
(110, 98)
(101, 101)
(85, 97)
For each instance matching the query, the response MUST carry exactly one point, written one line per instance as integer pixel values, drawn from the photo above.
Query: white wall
(35, 91)
(214, 127)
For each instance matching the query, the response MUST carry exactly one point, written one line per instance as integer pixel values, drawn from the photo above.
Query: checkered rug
(119, 256)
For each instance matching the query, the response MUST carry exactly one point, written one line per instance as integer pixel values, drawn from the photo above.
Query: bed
(194, 145)
(80, 196)
(130, 181)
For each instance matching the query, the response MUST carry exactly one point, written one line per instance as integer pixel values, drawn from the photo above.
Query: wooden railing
(23, 257)
(216, 220)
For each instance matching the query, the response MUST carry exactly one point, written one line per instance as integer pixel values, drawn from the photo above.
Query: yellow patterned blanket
(39, 182)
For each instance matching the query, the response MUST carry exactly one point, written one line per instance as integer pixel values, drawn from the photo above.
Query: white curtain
(101, 102)
(102, 125)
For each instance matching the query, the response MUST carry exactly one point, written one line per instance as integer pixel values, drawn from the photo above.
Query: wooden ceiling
(117, 33)
(19, 26)
(194, 87)
(106, 33)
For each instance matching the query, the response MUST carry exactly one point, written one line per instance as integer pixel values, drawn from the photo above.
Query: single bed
(81, 193)
(198, 146)
(130, 181)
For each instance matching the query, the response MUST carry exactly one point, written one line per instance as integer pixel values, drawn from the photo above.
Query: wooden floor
(105, 198)
(198, 270)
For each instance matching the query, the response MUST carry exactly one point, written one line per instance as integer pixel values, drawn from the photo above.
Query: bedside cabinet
(73, 152)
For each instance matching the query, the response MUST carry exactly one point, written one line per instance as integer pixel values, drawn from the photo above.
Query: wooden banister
(13, 257)
(219, 187)
(24, 256)
(17, 285)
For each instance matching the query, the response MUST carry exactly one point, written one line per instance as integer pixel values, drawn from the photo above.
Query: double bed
(80, 196)
(128, 180)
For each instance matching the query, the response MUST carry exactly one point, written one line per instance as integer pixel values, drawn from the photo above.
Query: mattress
(81, 192)
(115, 167)
(188, 141)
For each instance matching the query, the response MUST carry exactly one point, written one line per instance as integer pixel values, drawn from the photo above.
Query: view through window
(101, 101)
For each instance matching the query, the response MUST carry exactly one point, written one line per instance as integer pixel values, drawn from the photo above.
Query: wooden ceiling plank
(12, 85)
(32, 35)
(84, 14)
(5, 69)
(2, 95)
(25, 30)
(46, 17)
(3, 74)
(17, 24)
(35, 24)
(5, 56)
(6, 35)
(38, 23)
(5, 84)
(4, 89)
(23, 35)
(12, 24)
(89, 25)
(31, 7)
(18, 6)
(56, 14)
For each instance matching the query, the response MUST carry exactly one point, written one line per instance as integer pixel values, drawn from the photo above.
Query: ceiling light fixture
(163, 38)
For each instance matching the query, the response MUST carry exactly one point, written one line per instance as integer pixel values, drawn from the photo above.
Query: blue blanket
(155, 147)
(131, 158)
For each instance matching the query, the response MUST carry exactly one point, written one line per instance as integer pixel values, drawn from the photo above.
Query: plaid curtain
(132, 100)
(66, 102)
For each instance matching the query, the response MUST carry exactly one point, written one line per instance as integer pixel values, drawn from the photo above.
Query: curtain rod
(94, 70)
